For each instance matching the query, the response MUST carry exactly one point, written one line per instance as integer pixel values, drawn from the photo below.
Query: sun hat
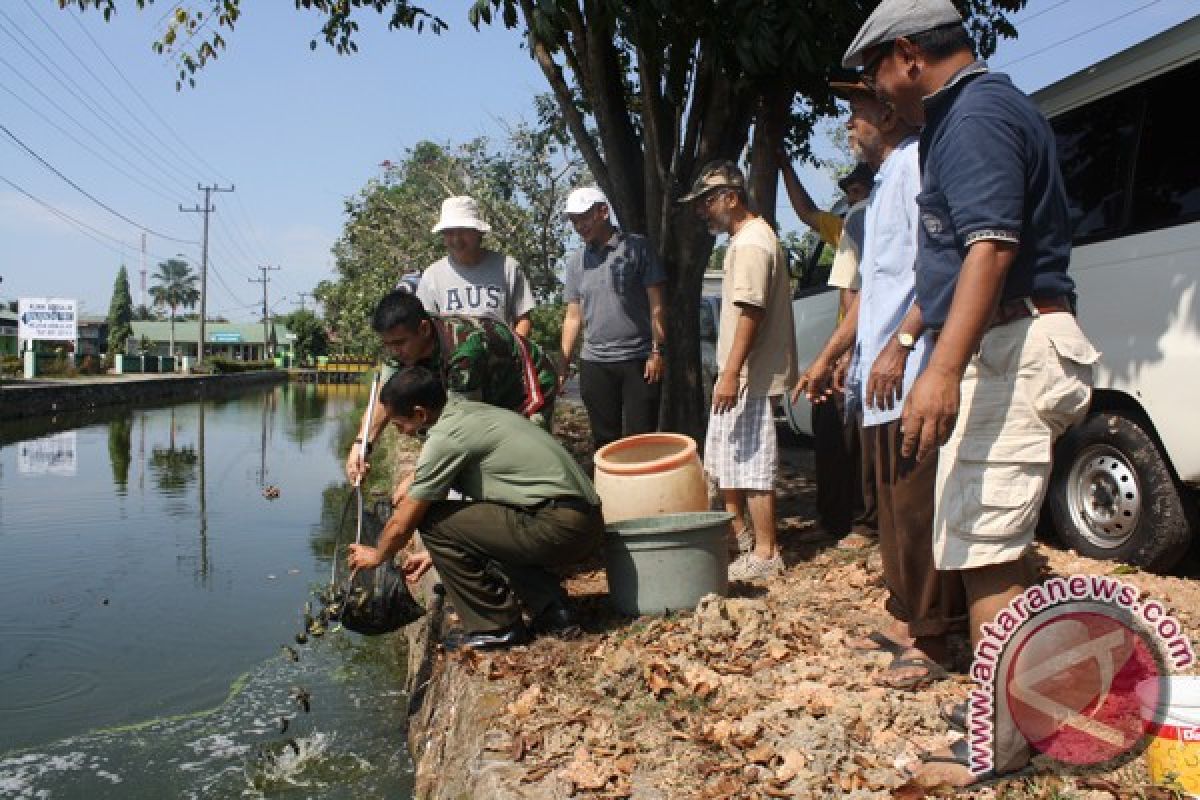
(892, 19)
(583, 199)
(716, 175)
(461, 212)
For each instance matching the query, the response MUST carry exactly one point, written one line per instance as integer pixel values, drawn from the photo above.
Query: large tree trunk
(683, 408)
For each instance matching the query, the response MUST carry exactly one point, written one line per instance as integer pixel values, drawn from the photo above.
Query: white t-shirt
(494, 288)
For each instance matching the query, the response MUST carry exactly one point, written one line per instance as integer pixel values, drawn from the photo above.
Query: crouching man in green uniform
(533, 509)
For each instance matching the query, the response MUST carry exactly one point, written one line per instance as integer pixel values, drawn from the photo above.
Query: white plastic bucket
(1173, 755)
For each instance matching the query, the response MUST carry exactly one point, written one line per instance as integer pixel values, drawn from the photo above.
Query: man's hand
(929, 412)
(725, 393)
(356, 467)
(416, 565)
(363, 557)
(654, 368)
(816, 383)
(886, 383)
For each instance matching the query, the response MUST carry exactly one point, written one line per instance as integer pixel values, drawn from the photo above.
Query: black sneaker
(556, 619)
(513, 635)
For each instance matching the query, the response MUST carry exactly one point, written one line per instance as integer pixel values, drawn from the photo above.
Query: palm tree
(175, 286)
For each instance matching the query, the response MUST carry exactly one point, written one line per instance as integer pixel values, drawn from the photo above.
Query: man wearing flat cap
(473, 281)
(882, 331)
(756, 361)
(614, 292)
(1010, 369)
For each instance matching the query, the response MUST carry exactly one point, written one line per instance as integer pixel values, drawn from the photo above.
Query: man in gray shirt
(614, 293)
(473, 281)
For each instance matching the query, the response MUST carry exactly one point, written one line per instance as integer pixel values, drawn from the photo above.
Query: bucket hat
(461, 212)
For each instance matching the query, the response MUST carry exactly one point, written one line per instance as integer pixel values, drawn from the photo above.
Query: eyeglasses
(871, 68)
(708, 199)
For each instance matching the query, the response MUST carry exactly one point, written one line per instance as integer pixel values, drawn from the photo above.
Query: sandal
(955, 715)
(879, 643)
(934, 672)
(959, 755)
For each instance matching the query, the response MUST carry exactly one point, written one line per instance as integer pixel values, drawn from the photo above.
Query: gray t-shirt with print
(609, 283)
(495, 288)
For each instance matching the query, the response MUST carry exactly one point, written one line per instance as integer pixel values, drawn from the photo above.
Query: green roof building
(236, 340)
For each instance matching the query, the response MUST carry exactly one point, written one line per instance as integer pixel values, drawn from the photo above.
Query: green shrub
(226, 365)
(11, 365)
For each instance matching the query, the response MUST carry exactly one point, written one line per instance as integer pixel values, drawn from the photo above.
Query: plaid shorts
(740, 451)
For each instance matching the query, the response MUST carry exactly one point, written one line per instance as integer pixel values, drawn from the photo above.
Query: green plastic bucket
(668, 562)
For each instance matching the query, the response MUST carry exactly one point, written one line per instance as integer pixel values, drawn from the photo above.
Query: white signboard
(47, 318)
(50, 455)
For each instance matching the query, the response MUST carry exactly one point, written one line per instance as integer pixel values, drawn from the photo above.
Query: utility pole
(302, 296)
(264, 280)
(206, 210)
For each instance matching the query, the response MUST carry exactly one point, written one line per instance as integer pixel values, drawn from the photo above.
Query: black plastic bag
(373, 601)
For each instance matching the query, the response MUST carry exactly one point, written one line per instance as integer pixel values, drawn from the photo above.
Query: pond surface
(147, 588)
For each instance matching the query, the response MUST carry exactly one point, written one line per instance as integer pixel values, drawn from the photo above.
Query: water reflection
(120, 446)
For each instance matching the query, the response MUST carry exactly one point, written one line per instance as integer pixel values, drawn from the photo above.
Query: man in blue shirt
(614, 292)
(1010, 369)
(883, 328)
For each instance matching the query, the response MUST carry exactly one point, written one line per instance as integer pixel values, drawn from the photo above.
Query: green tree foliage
(520, 189)
(174, 286)
(309, 330)
(120, 314)
(649, 91)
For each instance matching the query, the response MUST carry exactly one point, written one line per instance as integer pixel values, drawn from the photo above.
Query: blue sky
(297, 131)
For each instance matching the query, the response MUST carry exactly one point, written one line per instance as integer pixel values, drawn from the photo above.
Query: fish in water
(302, 697)
(291, 653)
(301, 638)
(283, 724)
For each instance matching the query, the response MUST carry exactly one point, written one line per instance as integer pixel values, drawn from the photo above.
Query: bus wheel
(1113, 496)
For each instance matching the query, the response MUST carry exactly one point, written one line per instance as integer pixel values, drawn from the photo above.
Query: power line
(111, 122)
(87, 230)
(1075, 36)
(87, 68)
(1020, 21)
(88, 147)
(88, 194)
(37, 90)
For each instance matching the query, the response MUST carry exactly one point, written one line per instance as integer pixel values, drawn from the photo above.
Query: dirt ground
(755, 695)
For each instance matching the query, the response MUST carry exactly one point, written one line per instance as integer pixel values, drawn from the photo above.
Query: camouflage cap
(716, 175)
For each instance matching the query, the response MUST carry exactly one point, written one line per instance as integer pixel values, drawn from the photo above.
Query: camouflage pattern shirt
(486, 360)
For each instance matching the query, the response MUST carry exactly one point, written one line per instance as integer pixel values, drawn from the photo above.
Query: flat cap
(892, 19)
(716, 175)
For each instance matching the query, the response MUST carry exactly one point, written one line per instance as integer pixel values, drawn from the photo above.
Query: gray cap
(715, 175)
(892, 19)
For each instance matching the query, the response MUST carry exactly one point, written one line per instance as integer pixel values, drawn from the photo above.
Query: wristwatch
(658, 349)
(906, 340)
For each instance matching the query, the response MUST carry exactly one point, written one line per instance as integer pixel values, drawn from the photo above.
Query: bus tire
(1113, 495)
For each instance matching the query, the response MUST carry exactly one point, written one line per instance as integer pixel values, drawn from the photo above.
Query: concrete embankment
(21, 399)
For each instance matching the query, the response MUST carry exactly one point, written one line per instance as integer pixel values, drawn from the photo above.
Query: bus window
(1095, 151)
(1166, 188)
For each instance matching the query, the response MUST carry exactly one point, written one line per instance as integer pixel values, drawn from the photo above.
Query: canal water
(148, 587)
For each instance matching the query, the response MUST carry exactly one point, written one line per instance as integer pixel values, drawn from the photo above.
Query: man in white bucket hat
(473, 281)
